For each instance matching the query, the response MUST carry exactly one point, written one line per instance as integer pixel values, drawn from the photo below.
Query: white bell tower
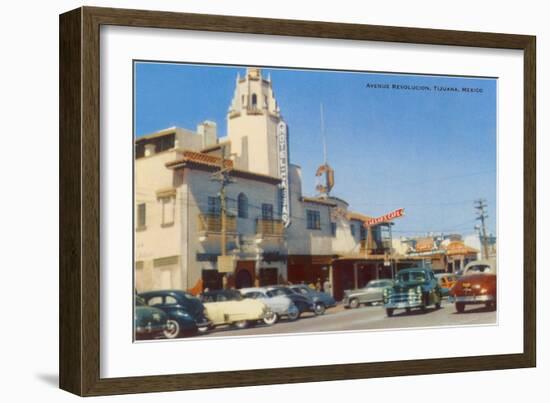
(252, 121)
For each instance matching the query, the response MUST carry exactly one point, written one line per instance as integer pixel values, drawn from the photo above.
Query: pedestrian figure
(327, 287)
(318, 284)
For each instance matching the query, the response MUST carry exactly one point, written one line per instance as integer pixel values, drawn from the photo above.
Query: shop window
(313, 219)
(352, 229)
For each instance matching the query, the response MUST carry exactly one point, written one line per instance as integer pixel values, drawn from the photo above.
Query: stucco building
(274, 232)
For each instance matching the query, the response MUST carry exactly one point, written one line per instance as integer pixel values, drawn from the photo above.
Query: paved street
(371, 317)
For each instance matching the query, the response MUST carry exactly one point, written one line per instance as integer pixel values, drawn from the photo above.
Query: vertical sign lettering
(282, 142)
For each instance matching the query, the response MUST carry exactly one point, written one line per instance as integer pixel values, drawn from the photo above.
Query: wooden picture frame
(80, 199)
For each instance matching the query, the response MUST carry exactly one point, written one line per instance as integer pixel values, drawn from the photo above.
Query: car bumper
(397, 305)
(330, 304)
(471, 299)
(403, 300)
(149, 331)
(204, 323)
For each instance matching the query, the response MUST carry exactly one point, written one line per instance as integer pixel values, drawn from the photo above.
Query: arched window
(254, 100)
(242, 205)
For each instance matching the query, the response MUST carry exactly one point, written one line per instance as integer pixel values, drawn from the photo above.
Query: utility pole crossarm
(480, 205)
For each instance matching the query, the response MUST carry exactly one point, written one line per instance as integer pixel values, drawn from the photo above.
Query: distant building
(474, 241)
(444, 253)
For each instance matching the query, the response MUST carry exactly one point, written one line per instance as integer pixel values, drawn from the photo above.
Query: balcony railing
(378, 248)
(213, 223)
(269, 227)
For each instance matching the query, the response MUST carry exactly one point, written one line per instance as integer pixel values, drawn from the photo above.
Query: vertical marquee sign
(282, 143)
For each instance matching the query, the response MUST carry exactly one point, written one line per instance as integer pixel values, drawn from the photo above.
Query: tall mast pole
(480, 205)
(323, 135)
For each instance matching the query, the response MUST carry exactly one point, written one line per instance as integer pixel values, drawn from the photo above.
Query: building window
(266, 103)
(313, 219)
(242, 205)
(254, 100)
(362, 232)
(242, 101)
(214, 205)
(267, 211)
(352, 229)
(333, 228)
(141, 216)
(168, 207)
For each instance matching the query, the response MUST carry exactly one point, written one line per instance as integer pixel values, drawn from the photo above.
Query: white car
(280, 305)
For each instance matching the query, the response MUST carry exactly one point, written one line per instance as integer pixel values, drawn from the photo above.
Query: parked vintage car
(280, 305)
(228, 307)
(321, 299)
(371, 293)
(302, 302)
(478, 285)
(446, 282)
(414, 288)
(149, 322)
(186, 313)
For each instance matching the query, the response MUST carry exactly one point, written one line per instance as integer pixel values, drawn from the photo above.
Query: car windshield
(227, 295)
(378, 284)
(301, 290)
(412, 276)
(482, 268)
(140, 301)
(230, 296)
(279, 291)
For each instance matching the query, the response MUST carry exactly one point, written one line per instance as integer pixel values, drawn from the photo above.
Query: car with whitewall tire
(280, 305)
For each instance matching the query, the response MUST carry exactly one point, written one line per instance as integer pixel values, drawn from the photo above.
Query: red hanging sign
(385, 218)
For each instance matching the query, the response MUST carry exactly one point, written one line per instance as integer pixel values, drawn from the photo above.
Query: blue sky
(431, 152)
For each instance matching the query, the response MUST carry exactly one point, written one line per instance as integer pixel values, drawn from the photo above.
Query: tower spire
(325, 169)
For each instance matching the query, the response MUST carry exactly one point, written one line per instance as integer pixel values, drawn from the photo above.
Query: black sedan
(149, 322)
(185, 312)
(303, 302)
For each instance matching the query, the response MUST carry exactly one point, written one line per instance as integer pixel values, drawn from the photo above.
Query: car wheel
(172, 329)
(293, 314)
(389, 312)
(354, 303)
(423, 308)
(438, 304)
(241, 324)
(272, 319)
(459, 306)
(319, 309)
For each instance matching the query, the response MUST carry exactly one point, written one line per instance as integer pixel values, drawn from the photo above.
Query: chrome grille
(404, 297)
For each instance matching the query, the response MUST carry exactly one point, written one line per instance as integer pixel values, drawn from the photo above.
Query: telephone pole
(224, 178)
(480, 206)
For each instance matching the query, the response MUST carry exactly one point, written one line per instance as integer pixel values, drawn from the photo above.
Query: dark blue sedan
(321, 299)
(186, 313)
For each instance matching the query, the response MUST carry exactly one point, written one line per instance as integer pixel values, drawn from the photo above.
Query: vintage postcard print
(284, 200)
